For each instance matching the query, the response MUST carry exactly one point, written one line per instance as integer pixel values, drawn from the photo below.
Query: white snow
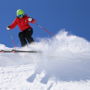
(63, 65)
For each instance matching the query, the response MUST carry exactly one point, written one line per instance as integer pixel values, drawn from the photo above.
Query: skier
(23, 21)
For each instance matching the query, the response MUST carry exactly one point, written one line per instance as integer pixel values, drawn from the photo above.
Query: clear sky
(73, 15)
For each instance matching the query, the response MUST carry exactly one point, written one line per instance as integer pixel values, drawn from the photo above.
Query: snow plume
(62, 64)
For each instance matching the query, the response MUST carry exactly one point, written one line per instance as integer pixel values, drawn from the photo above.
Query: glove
(30, 19)
(8, 27)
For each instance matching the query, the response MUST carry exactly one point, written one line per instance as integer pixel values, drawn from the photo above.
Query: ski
(18, 51)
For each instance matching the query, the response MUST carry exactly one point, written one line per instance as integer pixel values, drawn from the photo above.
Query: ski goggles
(20, 16)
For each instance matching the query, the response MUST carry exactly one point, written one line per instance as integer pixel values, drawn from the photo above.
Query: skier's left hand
(8, 28)
(30, 19)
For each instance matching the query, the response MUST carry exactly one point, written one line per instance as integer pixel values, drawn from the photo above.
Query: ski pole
(44, 29)
(13, 42)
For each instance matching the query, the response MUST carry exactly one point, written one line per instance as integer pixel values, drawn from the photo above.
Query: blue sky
(73, 15)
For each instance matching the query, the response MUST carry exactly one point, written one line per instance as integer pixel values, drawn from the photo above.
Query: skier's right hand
(8, 28)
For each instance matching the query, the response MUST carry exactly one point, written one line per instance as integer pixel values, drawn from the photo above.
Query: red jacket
(23, 23)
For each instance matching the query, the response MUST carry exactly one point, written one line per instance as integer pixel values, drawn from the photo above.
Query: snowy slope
(63, 65)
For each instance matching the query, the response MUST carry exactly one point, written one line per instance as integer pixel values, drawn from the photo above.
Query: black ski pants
(26, 37)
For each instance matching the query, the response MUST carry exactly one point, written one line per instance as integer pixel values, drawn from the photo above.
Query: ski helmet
(19, 12)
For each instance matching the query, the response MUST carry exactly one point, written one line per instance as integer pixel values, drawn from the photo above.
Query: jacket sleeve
(33, 21)
(13, 25)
